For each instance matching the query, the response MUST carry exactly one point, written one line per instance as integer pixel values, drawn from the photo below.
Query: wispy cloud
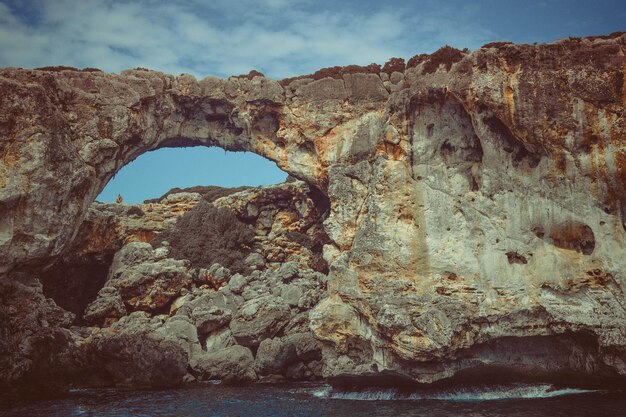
(278, 37)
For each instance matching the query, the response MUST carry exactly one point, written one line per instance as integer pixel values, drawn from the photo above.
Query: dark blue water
(319, 400)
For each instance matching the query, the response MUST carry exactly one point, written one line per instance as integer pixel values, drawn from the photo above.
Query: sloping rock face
(477, 201)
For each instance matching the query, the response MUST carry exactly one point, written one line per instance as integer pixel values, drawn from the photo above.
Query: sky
(280, 38)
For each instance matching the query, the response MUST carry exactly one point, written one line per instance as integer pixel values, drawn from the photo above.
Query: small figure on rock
(119, 200)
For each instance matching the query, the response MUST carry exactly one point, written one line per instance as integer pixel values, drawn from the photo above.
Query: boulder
(131, 353)
(255, 261)
(291, 293)
(219, 339)
(259, 319)
(209, 319)
(234, 364)
(237, 283)
(218, 275)
(180, 331)
(273, 356)
(145, 283)
(288, 271)
(307, 347)
(109, 304)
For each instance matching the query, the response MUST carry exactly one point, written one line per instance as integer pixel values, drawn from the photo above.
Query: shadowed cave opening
(148, 183)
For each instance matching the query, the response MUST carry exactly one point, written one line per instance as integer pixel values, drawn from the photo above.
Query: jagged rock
(237, 283)
(259, 319)
(109, 304)
(233, 364)
(219, 339)
(131, 354)
(33, 342)
(144, 282)
(291, 294)
(209, 319)
(288, 271)
(219, 274)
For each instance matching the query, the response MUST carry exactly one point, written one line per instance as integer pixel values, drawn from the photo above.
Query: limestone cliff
(477, 201)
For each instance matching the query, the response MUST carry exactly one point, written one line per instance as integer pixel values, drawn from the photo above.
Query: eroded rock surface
(474, 199)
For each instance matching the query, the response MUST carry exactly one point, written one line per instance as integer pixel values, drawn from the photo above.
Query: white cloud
(278, 37)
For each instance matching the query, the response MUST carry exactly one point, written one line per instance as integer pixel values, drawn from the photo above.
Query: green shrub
(209, 234)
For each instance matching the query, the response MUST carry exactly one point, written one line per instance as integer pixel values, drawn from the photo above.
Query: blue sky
(280, 38)
(153, 173)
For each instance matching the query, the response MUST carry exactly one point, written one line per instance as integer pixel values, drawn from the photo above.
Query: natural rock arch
(421, 256)
(68, 133)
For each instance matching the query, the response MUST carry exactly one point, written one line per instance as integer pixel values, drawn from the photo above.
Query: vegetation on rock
(208, 234)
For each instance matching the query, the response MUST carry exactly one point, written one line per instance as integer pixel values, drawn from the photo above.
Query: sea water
(517, 400)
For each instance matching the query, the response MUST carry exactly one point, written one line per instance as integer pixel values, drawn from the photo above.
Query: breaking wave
(500, 392)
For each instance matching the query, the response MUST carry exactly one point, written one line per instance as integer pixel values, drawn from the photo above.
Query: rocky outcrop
(75, 277)
(475, 200)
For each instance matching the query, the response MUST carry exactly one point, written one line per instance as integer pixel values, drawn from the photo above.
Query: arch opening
(170, 195)
(154, 173)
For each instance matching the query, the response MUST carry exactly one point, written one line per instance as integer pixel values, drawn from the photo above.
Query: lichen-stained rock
(287, 218)
(472, 200)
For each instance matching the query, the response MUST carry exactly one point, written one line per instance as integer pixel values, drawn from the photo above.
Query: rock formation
(476, 207)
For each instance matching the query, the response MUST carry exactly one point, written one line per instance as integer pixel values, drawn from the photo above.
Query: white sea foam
(501, 392)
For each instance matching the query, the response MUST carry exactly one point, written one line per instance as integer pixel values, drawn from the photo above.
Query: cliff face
(477, 201)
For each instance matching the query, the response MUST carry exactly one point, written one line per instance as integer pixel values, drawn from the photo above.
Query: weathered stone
(210, 319)
(273, 356)
(183, 333)
(219, 339)
(109, 304)
(237, 283)
(33, 340)
(131, 354)
(231, 365)
(288, 271)
(255, 260)
(291, 294)
(259, 319)
(307, 347)
(219, 274)
(436, 184)
(145, 283)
